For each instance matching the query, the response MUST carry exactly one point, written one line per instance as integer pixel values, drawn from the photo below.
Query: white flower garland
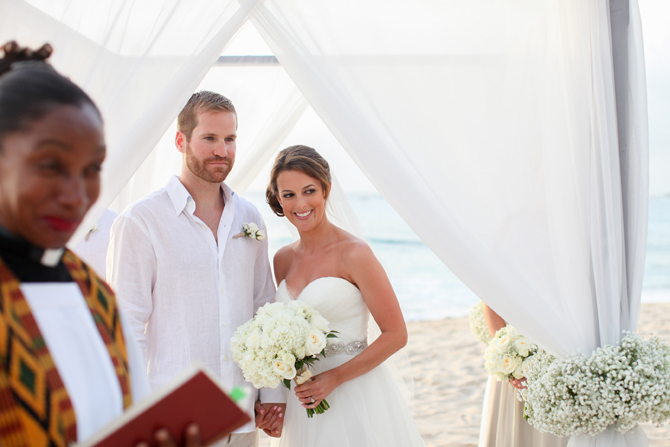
(478, 325)
(625, 385)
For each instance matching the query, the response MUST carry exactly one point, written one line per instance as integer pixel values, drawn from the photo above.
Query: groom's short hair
(204, 101)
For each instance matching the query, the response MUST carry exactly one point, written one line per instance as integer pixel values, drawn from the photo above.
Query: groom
(182, 279)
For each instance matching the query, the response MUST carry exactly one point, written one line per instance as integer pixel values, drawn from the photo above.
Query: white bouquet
(478, 325)
(279, 343)
(624, 385)
(509, 354)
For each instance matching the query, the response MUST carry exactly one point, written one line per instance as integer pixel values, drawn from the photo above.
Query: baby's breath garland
(478, 325)
(622, 385)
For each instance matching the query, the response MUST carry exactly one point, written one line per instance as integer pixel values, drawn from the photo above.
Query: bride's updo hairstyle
(30, 88)
(297, 158)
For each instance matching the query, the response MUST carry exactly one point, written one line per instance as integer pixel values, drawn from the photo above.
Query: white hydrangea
(624, 385)
(478, 325)
(269, 346)
(508, 354)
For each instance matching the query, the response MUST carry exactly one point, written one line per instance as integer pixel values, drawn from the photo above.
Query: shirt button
(204, 227)
(221, 290)
(224, 324)
(226, 358)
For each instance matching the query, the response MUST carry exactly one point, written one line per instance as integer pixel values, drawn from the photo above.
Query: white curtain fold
(138, 59)
(491, 128)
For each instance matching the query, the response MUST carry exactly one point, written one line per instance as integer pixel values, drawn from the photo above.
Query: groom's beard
(203, 168)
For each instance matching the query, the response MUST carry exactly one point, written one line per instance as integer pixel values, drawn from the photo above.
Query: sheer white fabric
(138, 60)
(268, 105)
(491, 127)
(503, 424)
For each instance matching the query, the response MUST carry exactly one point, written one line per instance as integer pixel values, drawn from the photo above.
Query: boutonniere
(251, 230)
(92, 230)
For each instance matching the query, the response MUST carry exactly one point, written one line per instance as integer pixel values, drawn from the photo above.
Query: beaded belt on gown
(355, 347)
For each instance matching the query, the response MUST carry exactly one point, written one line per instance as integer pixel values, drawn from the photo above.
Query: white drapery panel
(491, 127)
(268, 105)
(138, 59)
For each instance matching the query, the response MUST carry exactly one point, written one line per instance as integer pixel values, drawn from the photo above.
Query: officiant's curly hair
(199, 102)
(30, 88)
(302, 159)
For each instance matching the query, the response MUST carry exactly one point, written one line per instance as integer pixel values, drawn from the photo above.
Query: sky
(654, 14)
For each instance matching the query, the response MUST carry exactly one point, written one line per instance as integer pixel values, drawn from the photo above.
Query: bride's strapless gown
(368, 411)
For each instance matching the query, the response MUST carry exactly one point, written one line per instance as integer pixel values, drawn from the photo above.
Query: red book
(194, 396)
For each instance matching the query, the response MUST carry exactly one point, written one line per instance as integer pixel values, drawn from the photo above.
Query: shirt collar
(181, 198)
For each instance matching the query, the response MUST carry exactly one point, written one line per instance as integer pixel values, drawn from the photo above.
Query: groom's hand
(270, 418)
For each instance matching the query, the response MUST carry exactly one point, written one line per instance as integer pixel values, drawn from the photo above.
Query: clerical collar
(31, 263)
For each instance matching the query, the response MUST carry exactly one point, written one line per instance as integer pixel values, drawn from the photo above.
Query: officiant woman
(66, 369)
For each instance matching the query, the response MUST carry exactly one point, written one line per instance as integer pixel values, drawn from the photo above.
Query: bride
(339, 276)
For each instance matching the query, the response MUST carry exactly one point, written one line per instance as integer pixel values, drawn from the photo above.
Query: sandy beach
(449, 378)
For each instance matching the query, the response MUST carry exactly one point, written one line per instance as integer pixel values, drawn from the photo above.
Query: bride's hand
(313, 392)
(518, 384)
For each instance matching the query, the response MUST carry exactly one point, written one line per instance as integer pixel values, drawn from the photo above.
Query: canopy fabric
(496, 140)
(138, 62)
(268, 105)
(511, 135)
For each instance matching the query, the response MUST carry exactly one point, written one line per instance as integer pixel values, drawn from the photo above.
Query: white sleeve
(139, 381)
(274, 395)
(264, 292)
(131, 272)
(264, 288)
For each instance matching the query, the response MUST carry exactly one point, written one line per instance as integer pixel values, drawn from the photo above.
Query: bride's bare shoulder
(282, 261)
(354, 248)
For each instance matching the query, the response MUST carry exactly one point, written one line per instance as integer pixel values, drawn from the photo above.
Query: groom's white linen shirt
(184, 294)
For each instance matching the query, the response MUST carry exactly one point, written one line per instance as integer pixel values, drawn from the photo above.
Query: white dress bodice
(338, 301)
(367, 411)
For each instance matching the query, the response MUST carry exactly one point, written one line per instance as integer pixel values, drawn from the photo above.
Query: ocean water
(426, 288)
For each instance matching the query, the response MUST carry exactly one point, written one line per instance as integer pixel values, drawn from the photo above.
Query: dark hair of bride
(297, 158)
(30, 88)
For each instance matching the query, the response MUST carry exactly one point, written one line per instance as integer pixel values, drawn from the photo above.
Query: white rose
(526, 366)
(509, 364)
(523, 346)
(288, 358)
(300, 352)
(260, 235)
(501, 344)
(252, 227)
(320, 323)
(316, 341)
(286, 370)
